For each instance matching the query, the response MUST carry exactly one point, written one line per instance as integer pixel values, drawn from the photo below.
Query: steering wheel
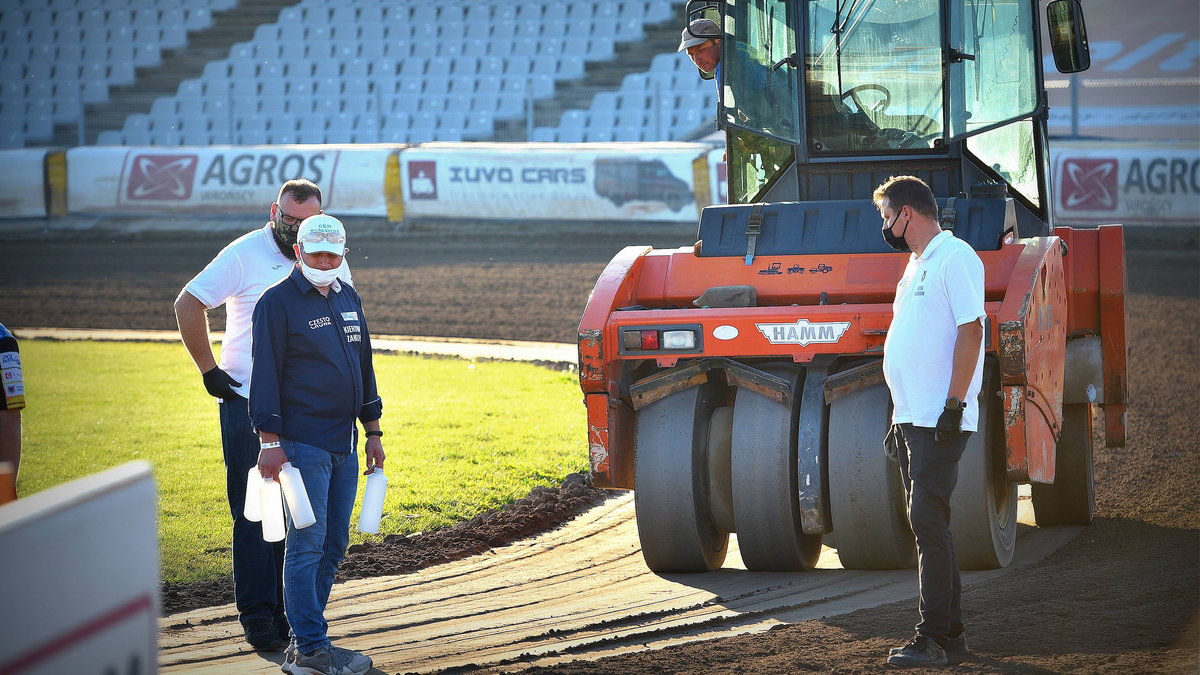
(879, 108)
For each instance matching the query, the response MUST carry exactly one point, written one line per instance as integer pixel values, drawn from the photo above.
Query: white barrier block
(23, 183)
(79, 576)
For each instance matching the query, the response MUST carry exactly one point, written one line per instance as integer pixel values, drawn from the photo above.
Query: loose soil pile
(1123, 597)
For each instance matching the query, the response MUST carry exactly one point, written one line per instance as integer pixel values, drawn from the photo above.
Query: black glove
(891, 443)
(949, 425)
(219, 384)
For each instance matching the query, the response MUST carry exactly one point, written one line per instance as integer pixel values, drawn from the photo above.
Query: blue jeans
(929, 470)
(313, 553)
(257, 564)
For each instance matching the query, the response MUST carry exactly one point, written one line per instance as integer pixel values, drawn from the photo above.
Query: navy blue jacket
(312, 373)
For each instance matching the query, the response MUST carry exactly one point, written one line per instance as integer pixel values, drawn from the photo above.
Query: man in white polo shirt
(933, 364)
(236, 278)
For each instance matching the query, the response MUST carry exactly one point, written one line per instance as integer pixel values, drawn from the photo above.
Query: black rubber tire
(983, 509)
(866, 498)
(1071, 499)
(766, 500)
(671, 493)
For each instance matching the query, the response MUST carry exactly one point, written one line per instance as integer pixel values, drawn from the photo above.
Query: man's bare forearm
(966, 357)
(192, 317)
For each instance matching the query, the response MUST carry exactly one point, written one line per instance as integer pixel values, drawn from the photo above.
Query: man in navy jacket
(311, 378)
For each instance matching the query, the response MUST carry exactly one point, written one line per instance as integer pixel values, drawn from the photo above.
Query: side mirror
(1068, 36)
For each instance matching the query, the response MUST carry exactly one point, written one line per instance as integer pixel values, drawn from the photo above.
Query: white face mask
(319, 277)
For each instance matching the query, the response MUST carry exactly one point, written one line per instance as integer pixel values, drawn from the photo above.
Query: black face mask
(285, 236)
(896, 242)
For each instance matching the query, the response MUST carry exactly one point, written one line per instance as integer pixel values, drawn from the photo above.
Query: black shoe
(283, 628)
(954, 645)
(261, 635)
(920, 651)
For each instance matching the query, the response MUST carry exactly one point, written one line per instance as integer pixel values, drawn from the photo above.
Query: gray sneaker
(358, 661)
(289, 655)
(920, 651)
(327, 661)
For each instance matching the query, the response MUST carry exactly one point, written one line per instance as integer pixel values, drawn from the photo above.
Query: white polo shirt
(940, 291)
(236, 278)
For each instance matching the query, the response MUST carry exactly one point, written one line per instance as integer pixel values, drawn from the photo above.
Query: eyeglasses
(318, 237)
(284, 218)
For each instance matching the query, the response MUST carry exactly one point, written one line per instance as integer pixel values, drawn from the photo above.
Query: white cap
(322, 234)
(706, 27)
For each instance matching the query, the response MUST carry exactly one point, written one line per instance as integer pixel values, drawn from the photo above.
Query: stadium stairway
(631, 57)
(228, 27)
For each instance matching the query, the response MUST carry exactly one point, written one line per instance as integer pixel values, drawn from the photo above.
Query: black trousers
(929, 470)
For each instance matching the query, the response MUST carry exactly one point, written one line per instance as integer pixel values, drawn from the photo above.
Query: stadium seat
(382, 69)
(478, 124)
(146, 54)
(67, 108)
(327, 105)
(599, 136)
(298, 104)
(271, 90)
(573, 119)
(198, 18)
(311, 129)
(454, 120)
(396, 121)
(164, 107)
(109, 137)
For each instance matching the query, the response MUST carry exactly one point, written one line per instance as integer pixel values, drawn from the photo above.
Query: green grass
(461, 437)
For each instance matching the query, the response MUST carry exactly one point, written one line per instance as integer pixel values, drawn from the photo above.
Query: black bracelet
(375, 433)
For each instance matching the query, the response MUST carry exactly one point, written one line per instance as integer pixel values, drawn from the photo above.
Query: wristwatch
(955, 404)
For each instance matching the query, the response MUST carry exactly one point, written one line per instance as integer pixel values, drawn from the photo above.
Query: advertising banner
(718, 172)
(23, 181)
(645, 181)
(223, 180)
(1131, 182)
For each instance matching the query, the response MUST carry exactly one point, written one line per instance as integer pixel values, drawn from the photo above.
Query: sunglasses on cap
(318, 237)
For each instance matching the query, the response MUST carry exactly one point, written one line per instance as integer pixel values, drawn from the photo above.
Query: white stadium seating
(337, 71)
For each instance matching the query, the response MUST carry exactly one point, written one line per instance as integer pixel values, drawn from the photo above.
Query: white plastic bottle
(372, 502)
(253, 505)
(272, 510)
(296, 495)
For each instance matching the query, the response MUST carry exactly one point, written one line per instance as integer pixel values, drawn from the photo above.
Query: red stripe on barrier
(56, 645)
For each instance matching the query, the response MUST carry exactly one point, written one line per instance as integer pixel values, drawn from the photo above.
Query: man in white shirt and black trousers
(933, 364)
(236, 278)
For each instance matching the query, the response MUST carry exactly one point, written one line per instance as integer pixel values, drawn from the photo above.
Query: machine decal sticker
(777, 268)
(725, 332)
(802, 332)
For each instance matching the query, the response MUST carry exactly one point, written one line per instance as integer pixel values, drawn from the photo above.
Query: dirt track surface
(1121, 597)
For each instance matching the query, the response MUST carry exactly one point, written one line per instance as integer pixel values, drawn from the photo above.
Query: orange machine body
(1036, 299)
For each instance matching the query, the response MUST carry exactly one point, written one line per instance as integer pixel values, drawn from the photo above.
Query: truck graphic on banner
(630, 179)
